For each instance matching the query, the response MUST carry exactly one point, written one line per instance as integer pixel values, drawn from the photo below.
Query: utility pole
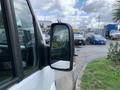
(99, 23)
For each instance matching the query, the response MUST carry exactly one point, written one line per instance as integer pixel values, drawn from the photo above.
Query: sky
(78, 13)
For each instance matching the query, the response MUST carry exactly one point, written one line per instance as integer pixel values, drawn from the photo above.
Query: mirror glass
(60, 47)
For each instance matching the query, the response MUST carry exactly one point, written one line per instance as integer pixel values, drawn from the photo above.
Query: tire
(111, 38)
(84, 43)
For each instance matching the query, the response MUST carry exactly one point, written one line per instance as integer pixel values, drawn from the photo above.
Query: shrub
(114, 53)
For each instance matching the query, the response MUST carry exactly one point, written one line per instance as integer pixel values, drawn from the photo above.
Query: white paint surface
(40, 80)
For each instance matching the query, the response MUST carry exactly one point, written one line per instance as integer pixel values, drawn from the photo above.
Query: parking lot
(85, 54)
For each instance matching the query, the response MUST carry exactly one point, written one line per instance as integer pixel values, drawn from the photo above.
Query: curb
(77, 85)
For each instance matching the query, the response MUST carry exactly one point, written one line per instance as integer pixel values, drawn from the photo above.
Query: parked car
(115, 35)
(79, 38)
(96, 39)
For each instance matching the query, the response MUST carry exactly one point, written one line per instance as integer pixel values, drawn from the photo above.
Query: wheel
(111, 38)
(84, 43)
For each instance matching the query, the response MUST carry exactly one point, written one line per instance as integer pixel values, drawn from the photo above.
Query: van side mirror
(61, 47)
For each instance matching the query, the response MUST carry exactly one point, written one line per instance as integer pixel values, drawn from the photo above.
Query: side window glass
(6, 65)
(26, 34)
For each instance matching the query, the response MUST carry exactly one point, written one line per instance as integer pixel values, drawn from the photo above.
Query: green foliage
(101, 75)
(114, 53)
(116, 11)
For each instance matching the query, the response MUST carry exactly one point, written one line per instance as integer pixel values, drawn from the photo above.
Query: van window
(6, 61)
(26, 34)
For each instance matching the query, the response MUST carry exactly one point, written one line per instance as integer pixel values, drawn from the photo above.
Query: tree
(116, 13)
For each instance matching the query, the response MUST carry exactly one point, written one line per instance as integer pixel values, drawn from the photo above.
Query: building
(45, 25)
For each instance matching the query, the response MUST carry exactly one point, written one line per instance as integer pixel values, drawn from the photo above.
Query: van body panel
(40, 80)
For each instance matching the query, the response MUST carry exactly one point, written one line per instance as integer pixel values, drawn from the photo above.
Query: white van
(26, 63)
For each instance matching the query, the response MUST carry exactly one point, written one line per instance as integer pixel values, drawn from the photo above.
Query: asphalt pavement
(71, 80)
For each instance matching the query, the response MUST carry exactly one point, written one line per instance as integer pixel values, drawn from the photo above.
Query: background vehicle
(96, 39)
(115, 35)
(47, 38)
(79, 38)
(26, 62)
(45, 27)
(110, 28)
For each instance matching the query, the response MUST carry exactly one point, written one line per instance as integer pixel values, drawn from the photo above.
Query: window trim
(37, 35)
(6, 8)
(14, 41)
(35, 68)
(42, 57)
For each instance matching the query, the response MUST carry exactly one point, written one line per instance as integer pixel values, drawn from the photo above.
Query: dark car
(96, 39)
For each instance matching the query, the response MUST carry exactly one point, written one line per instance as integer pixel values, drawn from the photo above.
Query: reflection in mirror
(61, 64)
(60, 47)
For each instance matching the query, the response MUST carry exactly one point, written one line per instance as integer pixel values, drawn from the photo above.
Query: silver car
(79, 38)
(115, 35)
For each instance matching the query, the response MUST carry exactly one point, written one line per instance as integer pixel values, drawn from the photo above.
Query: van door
(35, 79)
(30, 76)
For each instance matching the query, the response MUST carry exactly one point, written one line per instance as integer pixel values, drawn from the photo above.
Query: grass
(101, 75)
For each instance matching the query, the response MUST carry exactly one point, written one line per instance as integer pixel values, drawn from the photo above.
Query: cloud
(93, 5)
(42, 5)
(102, 8)
(96, 5)
(66, 7)
(89, 14)
(57, 7)
(75, 21)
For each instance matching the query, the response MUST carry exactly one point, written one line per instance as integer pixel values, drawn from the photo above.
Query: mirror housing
(61, 47)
